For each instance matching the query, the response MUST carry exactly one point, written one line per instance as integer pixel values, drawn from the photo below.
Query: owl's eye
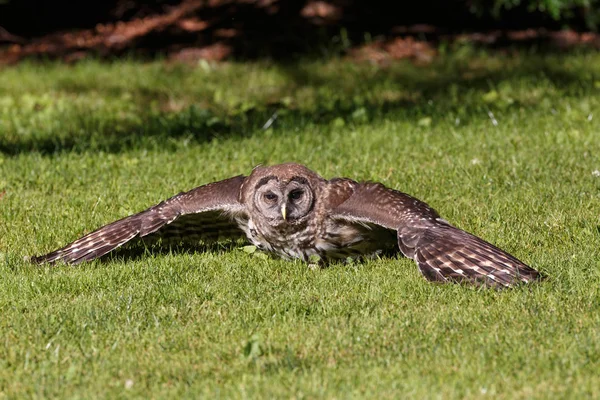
(271, 197)
(296, 195)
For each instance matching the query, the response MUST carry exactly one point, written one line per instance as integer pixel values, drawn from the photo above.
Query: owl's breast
(285, 240)
(330, 240)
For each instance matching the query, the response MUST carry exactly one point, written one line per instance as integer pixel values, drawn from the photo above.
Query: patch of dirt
(385, 51)
(104, 40)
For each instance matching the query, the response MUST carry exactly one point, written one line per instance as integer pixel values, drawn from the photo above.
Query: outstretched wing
(442, 251)
(204, 213)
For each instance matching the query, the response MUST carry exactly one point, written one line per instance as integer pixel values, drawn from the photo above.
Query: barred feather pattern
(445, 253)
(97, 243)
(442, 252)
(192, 229)
(204, 214)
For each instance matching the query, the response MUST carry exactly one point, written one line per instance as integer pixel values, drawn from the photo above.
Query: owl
(292, 212)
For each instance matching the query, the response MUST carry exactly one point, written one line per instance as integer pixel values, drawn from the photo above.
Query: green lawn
(507, 147)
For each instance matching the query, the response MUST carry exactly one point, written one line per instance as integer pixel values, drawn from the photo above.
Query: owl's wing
(442, 251)
(204, 213)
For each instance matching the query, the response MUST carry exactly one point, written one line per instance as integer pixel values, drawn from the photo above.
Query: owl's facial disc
(282, 202)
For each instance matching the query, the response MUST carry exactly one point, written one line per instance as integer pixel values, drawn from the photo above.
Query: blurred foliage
(559, 10)
(564, 11)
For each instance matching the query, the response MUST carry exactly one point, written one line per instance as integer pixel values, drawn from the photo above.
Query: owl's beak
(284, 212)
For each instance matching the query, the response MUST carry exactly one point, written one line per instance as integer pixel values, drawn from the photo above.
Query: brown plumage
(291, 211)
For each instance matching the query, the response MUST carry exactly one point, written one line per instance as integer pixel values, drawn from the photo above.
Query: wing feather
(206, 212)
(442, 251)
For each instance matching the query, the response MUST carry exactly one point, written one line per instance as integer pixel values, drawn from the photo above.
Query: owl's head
(283, 194)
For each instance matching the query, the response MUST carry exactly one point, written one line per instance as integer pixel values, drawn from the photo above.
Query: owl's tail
(445, 253)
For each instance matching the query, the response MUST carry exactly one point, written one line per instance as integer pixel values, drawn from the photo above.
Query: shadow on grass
(356, 95)
(470, 72)
(154, 130)
(139, 251)
(167, 131)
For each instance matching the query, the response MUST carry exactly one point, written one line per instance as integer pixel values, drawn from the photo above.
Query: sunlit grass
(504, 146)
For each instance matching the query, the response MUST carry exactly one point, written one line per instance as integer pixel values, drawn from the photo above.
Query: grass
(505, 146)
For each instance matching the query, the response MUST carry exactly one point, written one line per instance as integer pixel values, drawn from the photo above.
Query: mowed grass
(505, 146)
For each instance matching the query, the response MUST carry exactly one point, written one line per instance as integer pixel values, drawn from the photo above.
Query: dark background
(273, 28)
